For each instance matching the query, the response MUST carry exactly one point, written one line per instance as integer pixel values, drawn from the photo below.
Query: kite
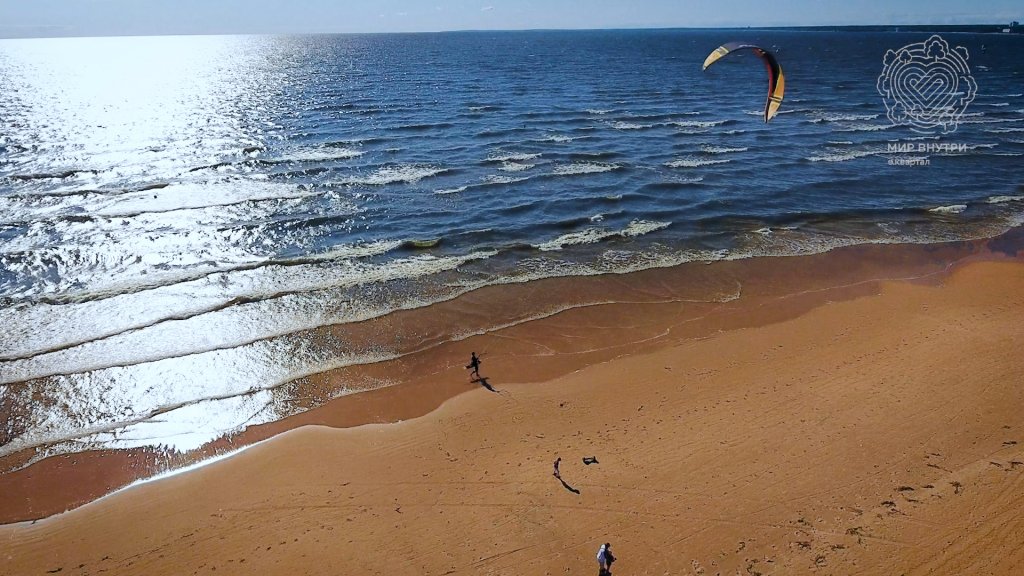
(776, 81)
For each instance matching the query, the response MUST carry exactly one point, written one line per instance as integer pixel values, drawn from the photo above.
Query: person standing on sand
(605, 559)
(474, 363)
(556, 473)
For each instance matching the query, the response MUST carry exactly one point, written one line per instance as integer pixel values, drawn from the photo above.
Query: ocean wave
(844, 156)
(62, 175)
(598, 112)
(710, 149)
(579, 168)
(196, 196)
(515, 166)
(261, 289)
(498, 179)
(558, 138)
(840, 142)
(992, 121)
(863, 128)
(451, 190)
(839, 117)
(623, 125)
(692, 162)
(1004, 199)
(699, 123)
(512, 157)
(595, 235)
(951, 209)
(320, 155)
(1013, 130)
(157, 279)
(403, 173)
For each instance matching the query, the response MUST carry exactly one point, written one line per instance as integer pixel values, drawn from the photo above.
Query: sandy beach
(869, 427)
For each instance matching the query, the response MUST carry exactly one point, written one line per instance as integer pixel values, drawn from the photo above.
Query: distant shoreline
(964, 28)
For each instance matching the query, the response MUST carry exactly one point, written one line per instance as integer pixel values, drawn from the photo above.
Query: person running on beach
(556, 473)
(474, 363)
(605, 559)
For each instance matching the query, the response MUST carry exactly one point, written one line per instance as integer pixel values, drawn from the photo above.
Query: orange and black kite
(776, 81)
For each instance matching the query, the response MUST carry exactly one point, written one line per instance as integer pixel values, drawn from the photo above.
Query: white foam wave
(843, 156)
(578, 168)
(356, 251)
(698, 123)
(691, 162)
(992, 121)
(515, 167)
(559, 138)
(621, 125)
(322, 155)
(641, 227)
(451, 190)
(863, 128)
(594, 235)
(198, 195)
(497, 179)
(406, 174)
(512, 157)
(840, 142)
(1004, 199)
(598, 112)
(952, 209)
(721, 149)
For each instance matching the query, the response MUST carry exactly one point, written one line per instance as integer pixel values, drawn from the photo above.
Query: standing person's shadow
(567, 487)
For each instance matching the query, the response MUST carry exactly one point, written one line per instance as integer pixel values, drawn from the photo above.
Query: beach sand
(872, 428)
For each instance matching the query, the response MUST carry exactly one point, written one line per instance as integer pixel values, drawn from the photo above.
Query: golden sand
(876, 435)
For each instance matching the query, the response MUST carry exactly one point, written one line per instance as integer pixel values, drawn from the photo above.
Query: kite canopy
(776, 81)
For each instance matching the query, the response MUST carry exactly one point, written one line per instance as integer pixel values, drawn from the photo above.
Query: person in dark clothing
(556, 473)
(474, 363)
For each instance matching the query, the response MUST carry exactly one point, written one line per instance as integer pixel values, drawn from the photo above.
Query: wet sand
(831, 424)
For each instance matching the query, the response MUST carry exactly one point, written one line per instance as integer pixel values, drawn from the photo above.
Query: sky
(44, 18)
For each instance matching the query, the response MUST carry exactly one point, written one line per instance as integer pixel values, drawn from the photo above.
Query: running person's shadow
(483, 382)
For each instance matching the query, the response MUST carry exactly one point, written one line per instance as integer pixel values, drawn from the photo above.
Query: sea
(180, 217)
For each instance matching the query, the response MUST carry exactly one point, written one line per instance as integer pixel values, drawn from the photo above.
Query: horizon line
(996, 29)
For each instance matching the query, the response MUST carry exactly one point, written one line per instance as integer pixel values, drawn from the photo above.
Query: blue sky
(28, 18)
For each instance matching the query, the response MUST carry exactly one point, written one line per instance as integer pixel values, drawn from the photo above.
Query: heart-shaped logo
(927, 85)
(929, 90)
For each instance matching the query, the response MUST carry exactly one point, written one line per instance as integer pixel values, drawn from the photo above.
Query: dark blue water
(175, 212)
